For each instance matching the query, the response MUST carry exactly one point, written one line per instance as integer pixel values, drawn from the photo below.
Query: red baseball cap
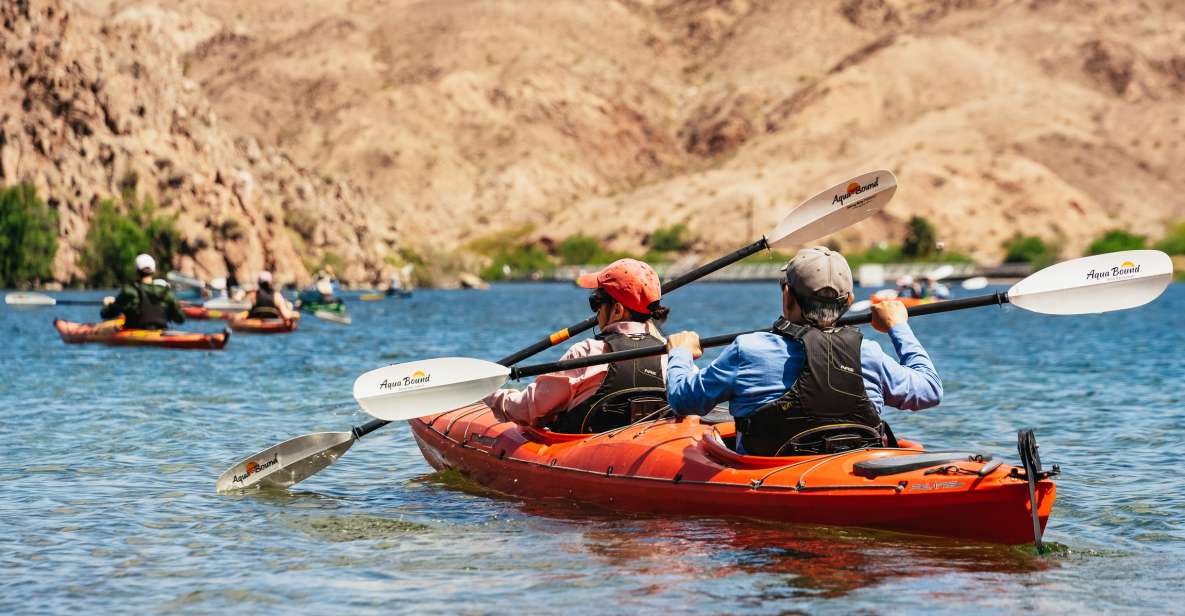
(632, 283)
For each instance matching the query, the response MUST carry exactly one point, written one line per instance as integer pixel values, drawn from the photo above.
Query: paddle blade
(29, 299)
(419, 388)
(974, 284)
(333, 317)
(838, 207)
(861, 306)
(286, 464)
(941, 272)
(1100, 283)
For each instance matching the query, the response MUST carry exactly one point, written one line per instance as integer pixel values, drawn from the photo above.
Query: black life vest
(265, 305)
(631, 390)
(826, 409)
(151, 313)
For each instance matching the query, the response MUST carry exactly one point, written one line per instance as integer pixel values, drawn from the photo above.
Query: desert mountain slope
(613, 118)
(91, 108)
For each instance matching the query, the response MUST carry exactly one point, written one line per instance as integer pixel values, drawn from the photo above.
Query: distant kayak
(202, 313)
(241, 323)
(111, 333)
(909, 302)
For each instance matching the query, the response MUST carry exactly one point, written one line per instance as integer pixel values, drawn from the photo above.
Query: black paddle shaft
(587, 324)
(723, 339)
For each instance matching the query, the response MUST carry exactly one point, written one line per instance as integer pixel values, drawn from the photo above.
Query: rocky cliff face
(614, 118)
(90, 108)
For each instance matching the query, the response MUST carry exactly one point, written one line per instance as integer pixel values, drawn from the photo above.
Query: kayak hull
(109, 333)
(909, 302)
(264, 326)
(683, 467)
(202, 313)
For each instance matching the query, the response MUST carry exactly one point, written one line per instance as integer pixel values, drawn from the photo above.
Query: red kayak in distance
(241, 323)
(685, 467)
(112, 333)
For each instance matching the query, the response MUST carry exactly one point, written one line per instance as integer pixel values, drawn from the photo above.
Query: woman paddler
(625, 298)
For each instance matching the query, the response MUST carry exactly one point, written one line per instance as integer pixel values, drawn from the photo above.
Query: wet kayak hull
(684, 468)
(111, 334)
(264, 326)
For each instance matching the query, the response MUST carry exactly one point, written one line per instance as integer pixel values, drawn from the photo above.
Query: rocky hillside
(612, 118)
(92, 107)
(616, 117)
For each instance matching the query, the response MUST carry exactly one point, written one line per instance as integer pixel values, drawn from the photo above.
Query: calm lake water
(109, 458)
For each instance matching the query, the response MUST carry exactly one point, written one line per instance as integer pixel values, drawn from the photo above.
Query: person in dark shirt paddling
(267, 302)
(143, 304)
(808, 386)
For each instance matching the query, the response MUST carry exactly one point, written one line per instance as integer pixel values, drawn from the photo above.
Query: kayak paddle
(836, 208)
(1100, 283)
(40, 299)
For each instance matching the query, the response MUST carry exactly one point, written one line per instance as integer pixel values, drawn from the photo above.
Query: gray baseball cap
(817, 269)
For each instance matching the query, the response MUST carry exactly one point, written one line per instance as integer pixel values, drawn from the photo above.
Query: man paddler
(144, 305)
(625, 298)
(808, 386)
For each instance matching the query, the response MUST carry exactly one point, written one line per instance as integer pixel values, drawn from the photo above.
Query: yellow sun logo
(1128, 264)
(419, 374)
(853, 187)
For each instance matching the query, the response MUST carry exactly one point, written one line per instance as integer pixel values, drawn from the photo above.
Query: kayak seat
(622, 408)
(893, 465)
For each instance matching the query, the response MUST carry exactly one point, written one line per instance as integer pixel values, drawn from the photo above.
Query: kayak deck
(685, 467)
(264, 326)
(112, 334)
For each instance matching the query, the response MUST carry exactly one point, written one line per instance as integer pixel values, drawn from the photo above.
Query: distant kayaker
(144, 305)
(809, 387)
(625, 299)
(267, 302)
(908, 287)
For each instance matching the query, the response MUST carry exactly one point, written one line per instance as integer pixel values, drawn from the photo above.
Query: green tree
(920, 239)
(1029, 249)
(1174, 242)
(115, 238)
(579, 250)
(28, 236)
(1116, 240)
(674, 238)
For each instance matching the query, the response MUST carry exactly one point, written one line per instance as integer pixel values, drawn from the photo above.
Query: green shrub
(517, 262)
(1116, 240)
(28, 236)
(1174, 242)
(920, 239)
(674, 238)
(116, 237)
(1029, 249)
(578, 250)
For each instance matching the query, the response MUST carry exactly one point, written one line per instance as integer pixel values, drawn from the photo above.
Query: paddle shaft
(566, 333)
(723, 339)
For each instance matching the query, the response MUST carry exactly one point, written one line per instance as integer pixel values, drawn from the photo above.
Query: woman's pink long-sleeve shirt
(551, 394)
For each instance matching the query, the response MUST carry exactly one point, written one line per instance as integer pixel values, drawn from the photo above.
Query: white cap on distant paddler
(819, 272)
(265, 277)
(145, 263)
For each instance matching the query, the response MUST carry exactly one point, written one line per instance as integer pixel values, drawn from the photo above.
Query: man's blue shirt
(758, 368)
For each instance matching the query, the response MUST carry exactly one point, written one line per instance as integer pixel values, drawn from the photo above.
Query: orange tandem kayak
(685, 467)
(240, 323)
(111, 333)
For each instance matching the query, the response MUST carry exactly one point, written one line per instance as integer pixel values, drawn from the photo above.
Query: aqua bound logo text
(419, 377)
(853, 189)
(1126, 268)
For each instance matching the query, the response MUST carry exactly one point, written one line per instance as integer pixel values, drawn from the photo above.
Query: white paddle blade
(941, 272)
(861, 306)
(286, 464)
(840, 206)
(419, 388)
(29, 299)
(886, 294)
(974, 284)
(333, 317)
(1100, 283)
(229, 305)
